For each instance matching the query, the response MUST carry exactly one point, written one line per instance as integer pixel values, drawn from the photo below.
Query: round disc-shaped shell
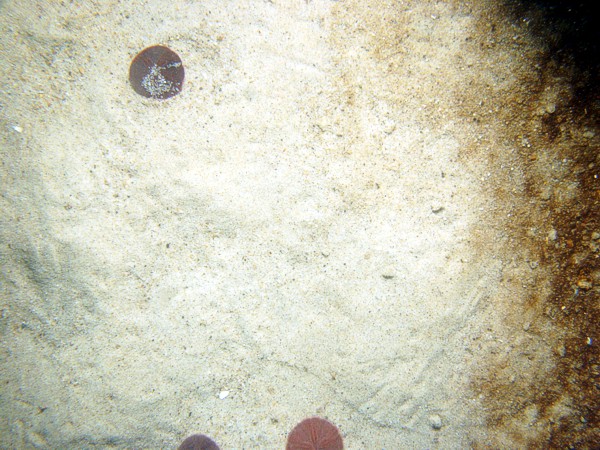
(157, 72)
(198, 442)
(315, 433)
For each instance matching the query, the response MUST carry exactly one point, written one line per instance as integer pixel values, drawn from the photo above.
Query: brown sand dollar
(315, 433)
(198, 442)
(157, 72)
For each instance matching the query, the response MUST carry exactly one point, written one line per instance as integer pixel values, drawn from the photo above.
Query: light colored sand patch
(300, 227)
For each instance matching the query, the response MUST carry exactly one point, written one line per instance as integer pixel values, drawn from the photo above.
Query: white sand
(307, 226)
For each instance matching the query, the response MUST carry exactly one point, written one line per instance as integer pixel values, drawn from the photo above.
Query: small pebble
(435, 421)
(585, 284)
(389, 126)
(17, 128)
(388, 272)
(546, 194)
(223, 394)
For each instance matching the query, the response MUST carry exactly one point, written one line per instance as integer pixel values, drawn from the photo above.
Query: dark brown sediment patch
(552, 225)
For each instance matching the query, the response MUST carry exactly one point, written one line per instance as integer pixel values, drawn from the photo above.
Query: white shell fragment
(223, 394)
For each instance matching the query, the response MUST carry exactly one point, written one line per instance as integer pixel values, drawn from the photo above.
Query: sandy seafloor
(319, 224)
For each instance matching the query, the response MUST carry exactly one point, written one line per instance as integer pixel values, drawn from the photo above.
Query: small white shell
(223, 394)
